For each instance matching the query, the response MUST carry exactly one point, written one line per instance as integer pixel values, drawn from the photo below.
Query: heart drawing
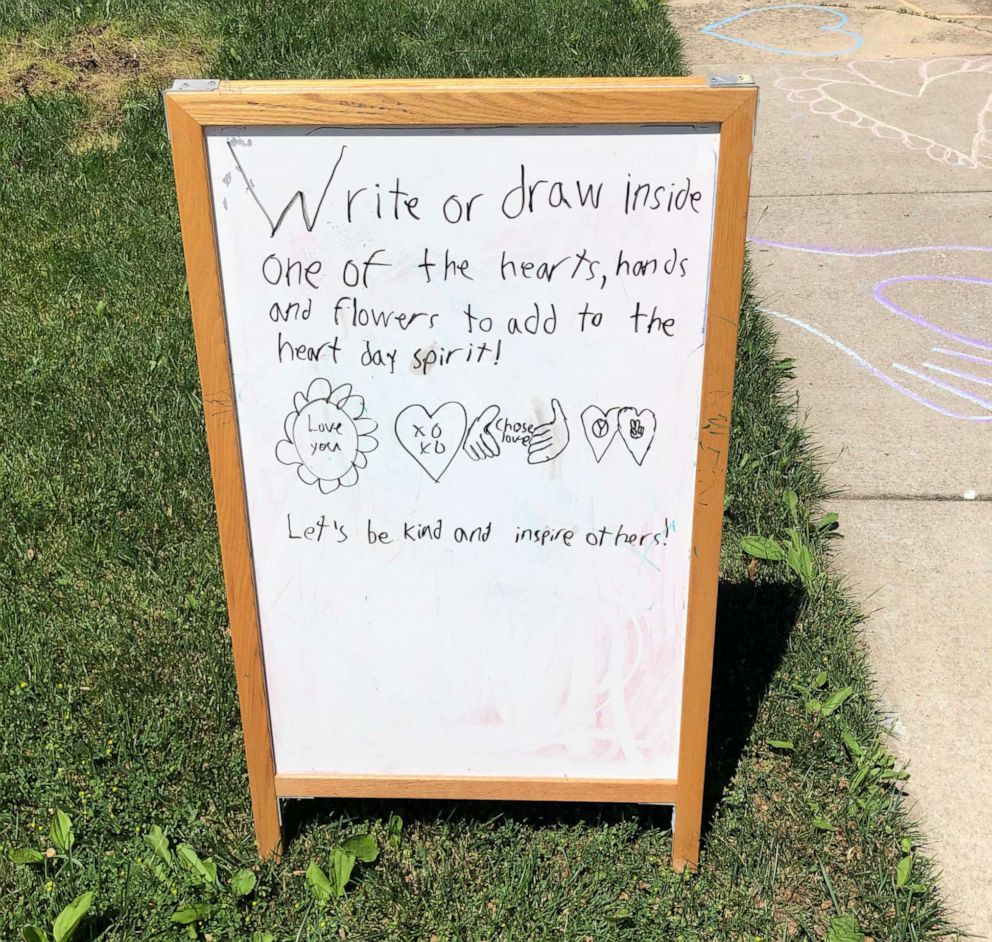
(637, 428)
(908, 92)
(432, 439)
(837, 20)
(600, 427)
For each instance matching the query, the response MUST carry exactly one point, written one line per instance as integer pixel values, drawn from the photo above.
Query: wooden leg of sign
(686, 824)
(203, 274)
(268, 827)
(716, 405)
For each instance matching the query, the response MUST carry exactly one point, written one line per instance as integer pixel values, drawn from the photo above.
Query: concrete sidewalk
(871, 229)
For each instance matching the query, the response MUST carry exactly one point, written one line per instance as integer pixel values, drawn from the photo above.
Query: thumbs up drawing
(549, 440)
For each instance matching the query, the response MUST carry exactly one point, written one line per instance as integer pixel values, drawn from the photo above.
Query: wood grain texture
(481, 788)
(723, 312)
(467, 103)
(209, 326)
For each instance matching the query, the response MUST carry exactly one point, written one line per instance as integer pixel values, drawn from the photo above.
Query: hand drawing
(479, 442)
(550, 439)
(328, 436)
(432, 439)
(857, 92)
(836, 21)
(637, 429)
(600, 427)
(952, 364)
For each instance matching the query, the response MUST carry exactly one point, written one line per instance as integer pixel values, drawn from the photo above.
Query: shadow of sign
(753, 624)
(299, 816)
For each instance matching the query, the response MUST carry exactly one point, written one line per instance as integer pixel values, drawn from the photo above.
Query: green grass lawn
(117, 697)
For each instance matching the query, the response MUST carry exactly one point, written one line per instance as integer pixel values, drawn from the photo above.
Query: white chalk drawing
(328, 436)
(959, 367)
(829, 91)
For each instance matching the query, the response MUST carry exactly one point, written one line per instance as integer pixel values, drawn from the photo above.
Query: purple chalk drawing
(886, 84)
(883, 299)
(931, 373)
(877, 373)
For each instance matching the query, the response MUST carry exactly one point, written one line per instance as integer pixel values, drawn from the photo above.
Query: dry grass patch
(102, 65)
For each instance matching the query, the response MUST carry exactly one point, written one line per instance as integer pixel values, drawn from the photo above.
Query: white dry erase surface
(467, 368)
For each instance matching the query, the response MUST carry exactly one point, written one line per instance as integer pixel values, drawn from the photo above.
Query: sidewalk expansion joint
(787, 196)
(917, 498)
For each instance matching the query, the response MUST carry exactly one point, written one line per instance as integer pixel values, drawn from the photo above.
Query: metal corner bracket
(725, 79)
(195, 85)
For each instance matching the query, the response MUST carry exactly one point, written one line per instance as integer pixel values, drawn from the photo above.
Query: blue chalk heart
(855, 38)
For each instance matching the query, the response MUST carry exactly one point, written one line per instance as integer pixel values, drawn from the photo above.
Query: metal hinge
(191, 85)
(195, 85)
(717, 81)
(728, 80)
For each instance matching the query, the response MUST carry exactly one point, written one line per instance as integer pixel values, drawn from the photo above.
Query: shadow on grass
(752, 630)
(299, 815)
(753, 624)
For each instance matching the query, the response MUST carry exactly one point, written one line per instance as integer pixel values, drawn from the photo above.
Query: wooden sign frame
(191, 108)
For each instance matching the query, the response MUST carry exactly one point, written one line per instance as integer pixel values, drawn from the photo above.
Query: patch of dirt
(101, 64)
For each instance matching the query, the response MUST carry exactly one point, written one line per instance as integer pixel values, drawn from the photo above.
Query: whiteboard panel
(467, 369)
